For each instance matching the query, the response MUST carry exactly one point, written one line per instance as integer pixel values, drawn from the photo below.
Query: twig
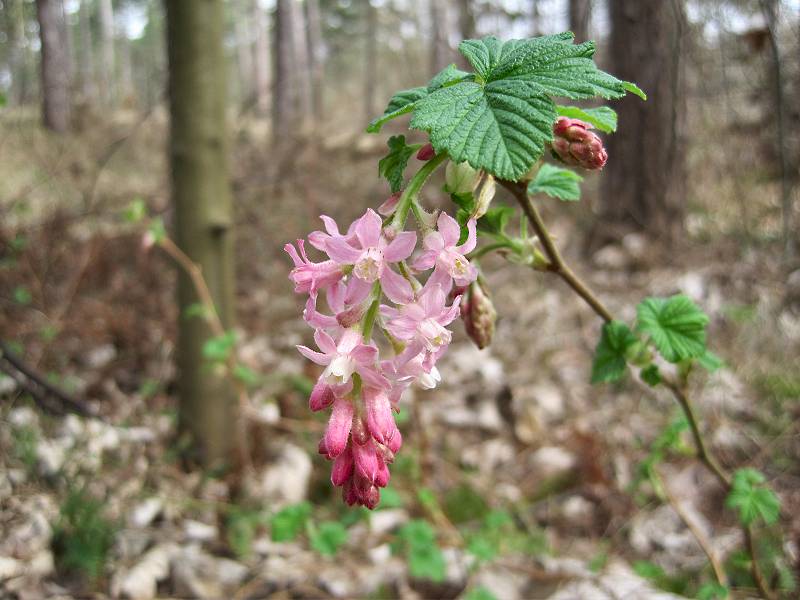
(557, 266)
(705, 545)
(38, 386)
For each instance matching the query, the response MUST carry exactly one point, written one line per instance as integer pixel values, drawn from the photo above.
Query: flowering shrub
(491, 127)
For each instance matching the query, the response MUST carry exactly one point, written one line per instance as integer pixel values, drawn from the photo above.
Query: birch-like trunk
(54, 64)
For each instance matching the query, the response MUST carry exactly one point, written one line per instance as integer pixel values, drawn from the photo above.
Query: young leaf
(328, 537)
(394, 164)
(751, 497)
(287, 523)
(710, 361)
(218, 348)
(501, 120)
(602, 117)
(447, 76)
(651, 375)
(425, 559)
(676, 325)
(556, 182)
(400, 104)
(711, 590)
(609, 356)
(495, 220)
(480, 593)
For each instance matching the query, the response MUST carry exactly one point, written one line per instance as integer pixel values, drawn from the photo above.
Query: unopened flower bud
(426, 152)
(359, 431)
(460, 178)
(575, 145)
(390, 204)
(485, 197)
(479, 315)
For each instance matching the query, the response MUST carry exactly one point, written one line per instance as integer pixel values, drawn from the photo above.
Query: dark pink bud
(382, 475)
(396, 442)
(349, 493)
(350, 317)
(321, 396)
(371, 498)
(426, 152)
(360, 433)
(338, 430)
(576, 145)
(322, 448)
(342, 468)
(366, 460)
(479, 315)
(386, 455)
(380, 420)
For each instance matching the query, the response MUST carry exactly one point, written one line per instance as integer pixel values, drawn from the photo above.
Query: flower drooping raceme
(576, 145)
(443, 252)
(366, 286)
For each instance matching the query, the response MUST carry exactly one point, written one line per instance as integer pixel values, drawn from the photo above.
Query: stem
(559, 267)
(414, 186)
(372, 312)
(557, 264)
(484, 250)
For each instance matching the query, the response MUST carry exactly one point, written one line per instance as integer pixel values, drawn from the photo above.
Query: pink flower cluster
(576, 145)
(361, 388)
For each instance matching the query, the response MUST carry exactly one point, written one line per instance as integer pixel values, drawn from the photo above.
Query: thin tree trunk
(466, 19)
(315, 58)
(771, 9)
(301, 69)
(283, 114)
(126, 89)
(107, 55)
(260, 61)
(86, 53)
(371, 61)
(203, 215)
(440, 48)
(54, 65)
(644, 183)
(15, 32)
(535, 28)
(580, 14)
(244, 30)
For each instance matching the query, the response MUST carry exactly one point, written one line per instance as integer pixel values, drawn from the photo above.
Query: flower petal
(472, 239)
(400, 247)
(396, 287)
(342, 252)
(448, 228)
(317, 357)
(338, 430)
(325, 342)
(368, 229)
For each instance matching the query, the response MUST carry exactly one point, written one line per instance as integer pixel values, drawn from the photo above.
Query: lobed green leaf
(393, 165)
(610, 355)
(602, 117)
(556, 182)
(676, 325)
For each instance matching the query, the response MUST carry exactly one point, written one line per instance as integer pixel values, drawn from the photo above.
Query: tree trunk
(260, 59)
(54, 65)
(535, 28)
(440, 48)
(580, 13)
(85, 50)
(283, 114)
(644, 184)
(315, 58)
(301, 68)
(15, 32)
(107, 59)
(370, 61)
(466, 19)
(203, 215)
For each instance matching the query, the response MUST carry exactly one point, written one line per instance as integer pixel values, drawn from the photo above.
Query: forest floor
(530, 479)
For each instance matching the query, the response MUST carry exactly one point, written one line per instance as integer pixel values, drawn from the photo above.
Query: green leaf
(425, 559)
(393, 165)
(712, 590)
(246, 375)
(710, 361)
(556, 182)
(196, 309)
(157, 230)
(390, 498)
(328, 537)
(218, 348)
(676, 325)
(287, 523)
(447, 76)
(400, 104)
(751, 497)
(651, 375)
(480, 593)
(496, 220)
(22, 295)
(602, 117)
(634, 89)
(609, 356)
(135, 211)
(501, 120)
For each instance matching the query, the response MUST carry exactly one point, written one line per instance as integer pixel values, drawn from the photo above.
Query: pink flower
(380, 420)
(576, 145)
(308, 277)
(338, 431)
(341, 360)
(423, 322)
(370, 254)
(346, 300)
(441, 250)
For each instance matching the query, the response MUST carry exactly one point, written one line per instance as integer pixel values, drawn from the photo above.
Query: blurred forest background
(138, 462)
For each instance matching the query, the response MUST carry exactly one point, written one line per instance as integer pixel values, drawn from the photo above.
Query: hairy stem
(560, 268)
(414, 186)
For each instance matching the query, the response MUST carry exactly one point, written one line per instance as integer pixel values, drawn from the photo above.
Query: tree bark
(85, 50)
(644, 184)
(15, 32)
(203, 216)
(535, 29)
(315, 57)
(301, 71)
(370, 61)
(107, 54)
(440, 48)
(580, 14)
(283, 113)
(260, 60)
(54, 65)
(466, 19)
(247, 15)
